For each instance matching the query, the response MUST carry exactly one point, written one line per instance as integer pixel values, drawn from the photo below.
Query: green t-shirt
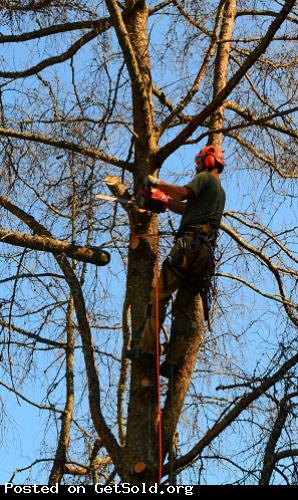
(207, 204)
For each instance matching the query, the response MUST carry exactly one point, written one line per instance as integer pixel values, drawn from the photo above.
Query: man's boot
(175, 356)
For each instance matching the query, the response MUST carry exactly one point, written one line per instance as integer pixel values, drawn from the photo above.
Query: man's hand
(152, 181)
(177, 193)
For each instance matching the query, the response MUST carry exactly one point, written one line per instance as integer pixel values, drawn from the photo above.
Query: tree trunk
(221, 68)
(141, 442)
(193, 340)
(141, 438)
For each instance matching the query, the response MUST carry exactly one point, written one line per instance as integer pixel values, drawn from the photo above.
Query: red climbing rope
(157, 351)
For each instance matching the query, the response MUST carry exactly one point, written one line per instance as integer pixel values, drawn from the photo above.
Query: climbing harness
(189, 242)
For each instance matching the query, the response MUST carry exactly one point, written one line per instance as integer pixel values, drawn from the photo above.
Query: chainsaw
(149, 198)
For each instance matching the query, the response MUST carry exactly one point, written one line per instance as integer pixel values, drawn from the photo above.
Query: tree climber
(189, 264)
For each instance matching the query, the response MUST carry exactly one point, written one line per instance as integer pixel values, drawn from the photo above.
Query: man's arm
(178, 207)
(177, 193)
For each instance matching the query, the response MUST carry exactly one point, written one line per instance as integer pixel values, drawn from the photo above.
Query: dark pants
(192, 258)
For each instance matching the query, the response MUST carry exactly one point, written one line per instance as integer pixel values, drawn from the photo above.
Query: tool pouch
(190, 260)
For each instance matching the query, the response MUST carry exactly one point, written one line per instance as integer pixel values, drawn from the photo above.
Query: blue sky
(248, 333)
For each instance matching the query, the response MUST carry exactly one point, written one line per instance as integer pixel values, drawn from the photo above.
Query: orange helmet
(210, 156)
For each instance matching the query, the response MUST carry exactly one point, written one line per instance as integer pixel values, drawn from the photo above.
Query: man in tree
(190, 262)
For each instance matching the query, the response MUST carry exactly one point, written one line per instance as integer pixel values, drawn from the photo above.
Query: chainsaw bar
(114, 199)
(151, 199)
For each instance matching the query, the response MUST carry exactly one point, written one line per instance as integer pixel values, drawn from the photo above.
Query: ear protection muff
(210, 157)
(209, 161)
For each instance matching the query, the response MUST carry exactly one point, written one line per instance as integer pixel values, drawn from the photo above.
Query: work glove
(152, 181)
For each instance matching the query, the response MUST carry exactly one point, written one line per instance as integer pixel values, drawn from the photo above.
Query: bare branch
(52, 60)
(264, 121)
(160, 6)
(123, 372)
(99, 422)
(32, 5)
(259, 12)
(98, 26)
(264, 230)
(277, 298)
(33, 336)
(195, 86)
(27, 400)
(221, 68)
(125, 43)
(270, 265)
(190, 19)
(83, 470)
(58, 468)
(292, 170)
(91, 255)
(242, 404)
(68, 146)
(269, 456)
(180, 139)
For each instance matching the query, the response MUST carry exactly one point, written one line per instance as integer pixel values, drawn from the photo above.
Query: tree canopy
(123, 89)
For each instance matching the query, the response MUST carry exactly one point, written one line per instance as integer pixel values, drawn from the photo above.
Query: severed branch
(108, 439)
(92, 255)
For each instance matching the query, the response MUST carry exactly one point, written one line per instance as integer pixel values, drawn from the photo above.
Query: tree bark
(92, 255)
(194, 339)
(58, 468)
(142, 407)
(269, 456)
(104, 432)
(221, 68)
